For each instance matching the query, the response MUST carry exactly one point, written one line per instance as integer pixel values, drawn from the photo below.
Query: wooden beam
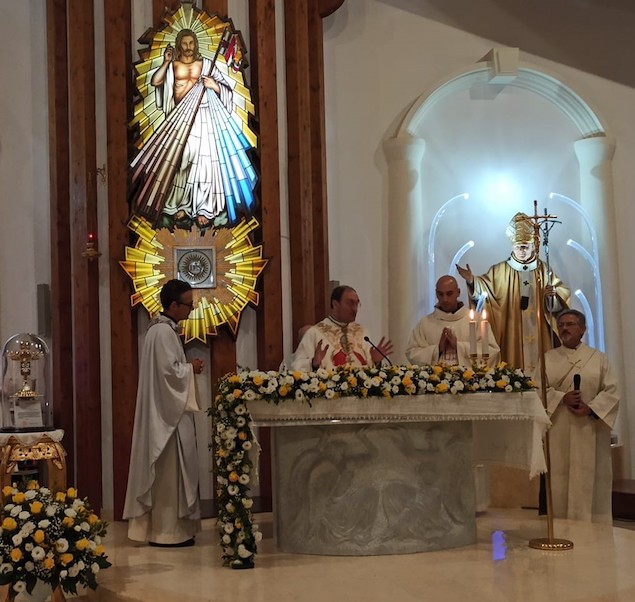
(318, 162)
(303, 299)
(61, 289)
(84, 273)
(123, 321)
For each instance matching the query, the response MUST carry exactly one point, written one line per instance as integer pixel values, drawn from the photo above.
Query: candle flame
(484, 315)
(471, 314)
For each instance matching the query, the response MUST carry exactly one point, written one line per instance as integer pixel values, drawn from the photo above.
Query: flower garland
(233, 437)
(51, 537)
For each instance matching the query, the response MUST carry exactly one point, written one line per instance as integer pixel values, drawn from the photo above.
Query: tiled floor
(599, 568)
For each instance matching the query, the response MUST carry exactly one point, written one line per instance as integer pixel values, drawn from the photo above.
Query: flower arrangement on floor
(233, 437)
(52, 537)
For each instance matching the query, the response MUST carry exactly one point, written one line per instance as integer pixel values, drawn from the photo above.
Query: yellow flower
(437, 369)
(283, 390)
(322, 387)
(442, 387)
(407, 381)
(32, 485)
(238, 524)
(68, 521)
(9, 524)
(386, 392)
(81, 544)
(234, 378)
(60, 496)
(364, 392)
(237, 393)
(501, 384)
(38, 536)
(352, 381)
(297, 375)
(93, 519)
(66, 559)
(242, 435)
(258, 380)
(16, 554)
(48, 563)
(99, 551)
(221, 453)
(233, 476)
(7, 490)
(71, 493)
(18, 497)
(468, 374)
(36, 507)
(501, 365)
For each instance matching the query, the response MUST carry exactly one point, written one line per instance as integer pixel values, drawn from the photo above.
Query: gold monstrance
(25, 355)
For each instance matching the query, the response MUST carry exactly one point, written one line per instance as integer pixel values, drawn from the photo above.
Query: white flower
(19, 586)
(232, 489)
(50, 510)
(517, 385)
(24, 515)
(17, 540)
(30, 494)
(395, 389)
(322, 373)
(368, 383)
(8, 507)
(344, 386)
(247, 503)
(243, 479)
(228, 528)
(73, 571)
(38, 553)
(85, 526)
(257, 535)
(230, 507)
(509, 388)
(61, 545)
(299, 395)
(246, 445)
(243, 552)
(77, 528)
(226, 538)
(240, 421)
(29, 565)
(94, 568)
(329, 394)
(5, 568)
(220, 427)
(28, 546)
(27, 528)
(16, 510)
(81, 565)
(429, 387)
(459, 385)
(63, 574)
(395, 380)
(250, 395)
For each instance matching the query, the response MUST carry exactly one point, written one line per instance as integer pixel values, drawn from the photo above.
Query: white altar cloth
(508, 428)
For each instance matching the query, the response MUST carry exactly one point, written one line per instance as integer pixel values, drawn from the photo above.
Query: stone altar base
(371, 489)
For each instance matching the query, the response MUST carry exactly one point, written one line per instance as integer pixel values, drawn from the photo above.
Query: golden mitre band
(520, 229)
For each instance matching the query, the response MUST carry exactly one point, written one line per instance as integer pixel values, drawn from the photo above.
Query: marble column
(405, 237)
(595, 157)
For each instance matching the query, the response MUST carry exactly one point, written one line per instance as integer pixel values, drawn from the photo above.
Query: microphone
(576, 382)
(378, 350)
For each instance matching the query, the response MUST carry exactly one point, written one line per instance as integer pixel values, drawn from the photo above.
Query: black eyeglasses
(190, 305)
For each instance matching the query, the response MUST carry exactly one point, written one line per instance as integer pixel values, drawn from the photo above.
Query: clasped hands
(574, 403)
(448, 341)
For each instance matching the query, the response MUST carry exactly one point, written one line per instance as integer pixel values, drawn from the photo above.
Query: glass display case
(25, 384)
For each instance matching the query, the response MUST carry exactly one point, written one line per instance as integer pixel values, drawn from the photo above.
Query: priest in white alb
(162, 499)
(444, 335)
(582, 401)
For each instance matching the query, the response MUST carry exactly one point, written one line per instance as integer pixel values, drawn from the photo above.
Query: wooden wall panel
(61, 290)
(123, 321)
(84, 273)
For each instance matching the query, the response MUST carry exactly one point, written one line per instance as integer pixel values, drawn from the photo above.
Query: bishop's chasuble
(511, 304)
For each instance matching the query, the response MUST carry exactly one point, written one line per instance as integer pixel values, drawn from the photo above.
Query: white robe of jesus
(162, 499)
(580, 446)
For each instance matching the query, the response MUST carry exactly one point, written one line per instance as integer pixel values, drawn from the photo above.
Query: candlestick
(472, 335)
(484, 335)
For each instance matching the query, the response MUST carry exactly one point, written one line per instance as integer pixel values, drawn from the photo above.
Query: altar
(373, 476)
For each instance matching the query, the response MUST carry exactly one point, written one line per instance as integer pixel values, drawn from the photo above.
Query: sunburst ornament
(221, 265)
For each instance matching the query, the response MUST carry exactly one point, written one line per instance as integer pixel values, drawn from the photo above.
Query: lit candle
(472, 334)
(484, 335)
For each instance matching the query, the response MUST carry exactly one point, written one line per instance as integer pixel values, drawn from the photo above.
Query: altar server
(162, 499)
(582, 400)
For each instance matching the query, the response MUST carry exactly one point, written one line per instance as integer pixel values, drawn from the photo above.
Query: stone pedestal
(371, 489)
